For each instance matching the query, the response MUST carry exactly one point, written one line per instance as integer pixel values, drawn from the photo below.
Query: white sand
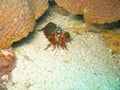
(87, 65)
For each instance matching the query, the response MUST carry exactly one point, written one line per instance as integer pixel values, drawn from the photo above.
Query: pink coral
(7, 62)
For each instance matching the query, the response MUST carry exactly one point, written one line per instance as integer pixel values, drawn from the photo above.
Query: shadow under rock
(24, 40)
(109, 26)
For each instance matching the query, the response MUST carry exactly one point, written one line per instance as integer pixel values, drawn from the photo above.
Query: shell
(94, 11)
(17, 19)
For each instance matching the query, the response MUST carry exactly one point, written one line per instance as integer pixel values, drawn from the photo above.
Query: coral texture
(39, 7)
(94, 11)
(17, 19)
(7, 62)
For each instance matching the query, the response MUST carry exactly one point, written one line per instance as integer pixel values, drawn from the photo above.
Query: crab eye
(67, 34)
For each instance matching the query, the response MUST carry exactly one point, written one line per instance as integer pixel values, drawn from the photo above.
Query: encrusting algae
(7, 62)
(113, 40)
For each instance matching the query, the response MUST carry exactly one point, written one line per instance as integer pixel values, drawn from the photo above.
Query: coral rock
(94, 11)
(17, 19)
(39, 7)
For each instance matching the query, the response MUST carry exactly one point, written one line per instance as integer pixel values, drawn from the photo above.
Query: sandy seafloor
(88, 64)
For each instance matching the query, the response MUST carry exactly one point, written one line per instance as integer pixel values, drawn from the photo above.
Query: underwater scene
(59, 44)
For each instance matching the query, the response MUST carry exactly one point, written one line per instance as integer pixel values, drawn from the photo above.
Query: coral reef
(94, 11)
(7, 62)
(17, 19)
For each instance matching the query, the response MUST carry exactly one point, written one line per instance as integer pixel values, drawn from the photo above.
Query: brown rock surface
(94, 11)
(17, 19)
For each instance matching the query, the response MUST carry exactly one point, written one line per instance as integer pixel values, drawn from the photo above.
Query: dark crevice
(109, 26)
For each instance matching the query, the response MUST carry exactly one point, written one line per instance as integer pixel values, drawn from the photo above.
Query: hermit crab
(55, 35)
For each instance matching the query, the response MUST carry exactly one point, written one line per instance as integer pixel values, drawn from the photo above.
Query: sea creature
(55, 35)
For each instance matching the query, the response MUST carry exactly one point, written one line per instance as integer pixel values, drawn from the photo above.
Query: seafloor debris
(3, 87)
(56, 35)
(94, 11)
(7, 62)
(112, 39)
